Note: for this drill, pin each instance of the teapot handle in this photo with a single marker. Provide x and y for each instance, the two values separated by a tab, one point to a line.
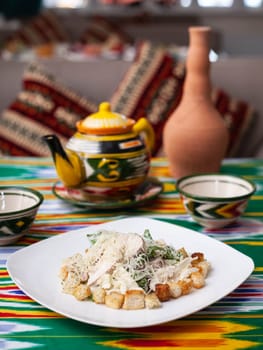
144	127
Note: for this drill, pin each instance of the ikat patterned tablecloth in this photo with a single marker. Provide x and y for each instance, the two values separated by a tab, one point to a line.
235	322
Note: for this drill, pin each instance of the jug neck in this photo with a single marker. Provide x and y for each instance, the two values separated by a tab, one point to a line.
197	82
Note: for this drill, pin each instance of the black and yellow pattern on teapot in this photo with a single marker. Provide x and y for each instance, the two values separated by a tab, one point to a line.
108	155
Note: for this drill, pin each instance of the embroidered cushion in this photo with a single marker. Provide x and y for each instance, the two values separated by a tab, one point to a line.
238	116
43	106
151	88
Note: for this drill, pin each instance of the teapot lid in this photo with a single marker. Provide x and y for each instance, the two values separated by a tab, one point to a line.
105	122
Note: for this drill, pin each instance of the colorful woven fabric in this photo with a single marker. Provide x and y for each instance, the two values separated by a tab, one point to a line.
151	88
234	322
43	106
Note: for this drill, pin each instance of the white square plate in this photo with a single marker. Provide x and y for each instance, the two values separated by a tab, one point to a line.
35	270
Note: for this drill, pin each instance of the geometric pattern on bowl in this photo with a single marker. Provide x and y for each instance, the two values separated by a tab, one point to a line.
215	210
215	200
215	215
18	208
18	224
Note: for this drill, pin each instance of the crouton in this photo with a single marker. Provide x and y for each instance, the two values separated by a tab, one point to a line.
186	286
183	252
162	291
197	279
203	267
114	300
71	282
197	258
152	301
134	300
175	289
98	295
82	292
63	272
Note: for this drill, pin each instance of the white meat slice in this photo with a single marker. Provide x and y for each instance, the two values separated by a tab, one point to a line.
110	248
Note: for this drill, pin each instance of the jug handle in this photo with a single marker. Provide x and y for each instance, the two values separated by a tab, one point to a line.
144	127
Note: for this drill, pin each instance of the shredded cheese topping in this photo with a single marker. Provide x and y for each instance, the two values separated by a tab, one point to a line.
118	262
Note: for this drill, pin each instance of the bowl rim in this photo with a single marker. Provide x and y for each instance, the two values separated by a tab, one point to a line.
215	199
25	189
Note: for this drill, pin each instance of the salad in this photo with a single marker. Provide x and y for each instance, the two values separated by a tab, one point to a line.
131	271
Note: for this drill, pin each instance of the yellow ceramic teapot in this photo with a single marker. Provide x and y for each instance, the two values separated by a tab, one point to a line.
108	155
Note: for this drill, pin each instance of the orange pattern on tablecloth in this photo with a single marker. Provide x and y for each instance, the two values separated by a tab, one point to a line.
185	334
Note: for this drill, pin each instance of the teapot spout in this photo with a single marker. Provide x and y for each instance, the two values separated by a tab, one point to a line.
55	147
68	166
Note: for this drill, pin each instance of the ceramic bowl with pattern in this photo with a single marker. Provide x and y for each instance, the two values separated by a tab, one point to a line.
18	209
215	200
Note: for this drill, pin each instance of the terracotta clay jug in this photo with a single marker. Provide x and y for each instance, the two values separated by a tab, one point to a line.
195	137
